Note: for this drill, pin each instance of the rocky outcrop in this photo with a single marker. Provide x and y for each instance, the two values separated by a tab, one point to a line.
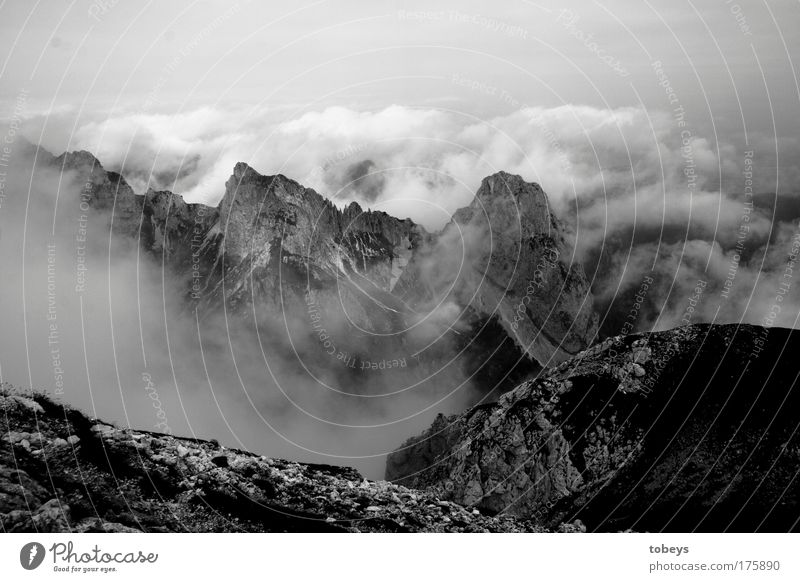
505	257
282	241
265	229
266	216
693	429
61	471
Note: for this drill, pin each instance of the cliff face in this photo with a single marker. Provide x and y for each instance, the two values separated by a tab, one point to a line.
63	472
266	231
689	429
263	216
505	257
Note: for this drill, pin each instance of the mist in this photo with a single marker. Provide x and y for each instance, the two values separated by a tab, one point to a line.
101	324
642	192
711	221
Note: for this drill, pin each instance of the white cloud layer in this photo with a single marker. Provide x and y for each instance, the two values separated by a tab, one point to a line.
636	189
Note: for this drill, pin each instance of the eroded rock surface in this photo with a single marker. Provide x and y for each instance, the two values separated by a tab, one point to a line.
266	242
505	257
61	471
689	429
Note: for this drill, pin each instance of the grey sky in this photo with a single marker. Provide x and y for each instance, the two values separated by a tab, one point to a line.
185	89
373	54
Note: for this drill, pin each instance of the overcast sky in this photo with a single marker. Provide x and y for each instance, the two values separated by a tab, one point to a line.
185	89
164	56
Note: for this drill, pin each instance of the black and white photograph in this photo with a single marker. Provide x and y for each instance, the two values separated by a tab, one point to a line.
400	267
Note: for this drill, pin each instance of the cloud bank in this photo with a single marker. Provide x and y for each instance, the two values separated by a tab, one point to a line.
638	190
643	200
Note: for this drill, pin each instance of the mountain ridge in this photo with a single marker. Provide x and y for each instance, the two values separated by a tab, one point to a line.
270	228
61	471
690	429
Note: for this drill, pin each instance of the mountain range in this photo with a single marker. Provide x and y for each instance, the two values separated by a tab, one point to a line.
497	293
690	429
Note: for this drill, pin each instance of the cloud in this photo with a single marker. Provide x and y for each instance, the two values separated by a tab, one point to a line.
98	323
636	199
633	187
579	154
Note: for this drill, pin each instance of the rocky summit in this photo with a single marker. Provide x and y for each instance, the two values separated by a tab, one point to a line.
505	257
267	242
692	429
61	471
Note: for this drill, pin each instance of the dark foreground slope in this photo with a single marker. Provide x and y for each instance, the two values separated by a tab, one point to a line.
61	471
692	429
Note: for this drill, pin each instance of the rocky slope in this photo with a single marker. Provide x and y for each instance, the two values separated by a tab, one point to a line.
61	471
692	429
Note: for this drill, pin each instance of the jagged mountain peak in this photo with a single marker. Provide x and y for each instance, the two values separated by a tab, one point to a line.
241	169
354	208
502	182
246	185
508	202
245	173
79	159
520	269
